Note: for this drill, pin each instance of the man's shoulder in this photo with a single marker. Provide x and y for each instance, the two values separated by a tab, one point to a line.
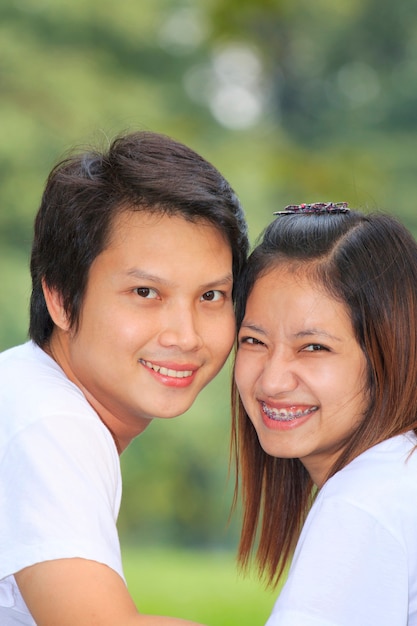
34	389
24	356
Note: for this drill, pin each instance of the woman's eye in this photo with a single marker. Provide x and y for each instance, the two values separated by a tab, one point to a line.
252	341
212	296
315	347
146	292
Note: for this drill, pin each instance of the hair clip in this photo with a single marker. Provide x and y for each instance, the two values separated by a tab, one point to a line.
316	207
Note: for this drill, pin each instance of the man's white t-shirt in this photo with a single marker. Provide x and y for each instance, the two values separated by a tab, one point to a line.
356	560
60	482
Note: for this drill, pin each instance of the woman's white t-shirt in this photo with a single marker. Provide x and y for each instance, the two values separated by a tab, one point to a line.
60	482
356	560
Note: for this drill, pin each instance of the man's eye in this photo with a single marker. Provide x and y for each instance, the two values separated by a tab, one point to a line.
212	296
146	292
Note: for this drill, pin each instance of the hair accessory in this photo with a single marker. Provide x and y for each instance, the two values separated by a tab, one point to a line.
316	207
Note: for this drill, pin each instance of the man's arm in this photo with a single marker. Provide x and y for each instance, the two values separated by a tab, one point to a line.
78	592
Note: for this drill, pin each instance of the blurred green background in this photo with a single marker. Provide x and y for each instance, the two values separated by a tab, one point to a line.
292	100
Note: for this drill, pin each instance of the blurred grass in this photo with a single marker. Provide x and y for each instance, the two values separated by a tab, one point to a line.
196	585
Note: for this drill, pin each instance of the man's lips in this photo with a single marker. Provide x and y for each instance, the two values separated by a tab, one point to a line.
171	372
287	414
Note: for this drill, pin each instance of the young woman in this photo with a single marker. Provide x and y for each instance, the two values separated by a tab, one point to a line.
326	416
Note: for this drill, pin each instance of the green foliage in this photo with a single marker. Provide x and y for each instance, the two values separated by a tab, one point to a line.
337	80
336	68
14	297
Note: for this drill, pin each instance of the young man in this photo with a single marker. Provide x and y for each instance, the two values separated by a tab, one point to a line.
134	255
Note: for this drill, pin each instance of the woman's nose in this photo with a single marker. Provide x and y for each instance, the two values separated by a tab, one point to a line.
278	376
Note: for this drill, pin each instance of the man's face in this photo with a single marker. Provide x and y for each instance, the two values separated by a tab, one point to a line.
156	324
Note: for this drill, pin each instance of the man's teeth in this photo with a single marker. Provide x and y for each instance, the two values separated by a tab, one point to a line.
286	415
164	371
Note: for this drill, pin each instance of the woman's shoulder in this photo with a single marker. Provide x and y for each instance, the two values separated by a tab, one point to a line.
381	481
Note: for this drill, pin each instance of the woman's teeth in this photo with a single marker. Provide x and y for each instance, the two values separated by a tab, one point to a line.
286	415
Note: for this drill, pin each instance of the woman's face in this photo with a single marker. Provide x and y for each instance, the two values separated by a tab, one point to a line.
300	372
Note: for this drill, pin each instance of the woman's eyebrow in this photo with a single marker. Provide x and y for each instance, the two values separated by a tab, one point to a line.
315	332
253	328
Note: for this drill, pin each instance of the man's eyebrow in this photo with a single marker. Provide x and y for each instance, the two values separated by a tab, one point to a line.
222	280
136	272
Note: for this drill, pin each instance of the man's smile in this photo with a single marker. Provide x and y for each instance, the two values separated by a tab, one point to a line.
165	371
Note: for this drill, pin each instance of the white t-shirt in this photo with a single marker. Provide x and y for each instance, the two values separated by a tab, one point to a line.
60	482
356	560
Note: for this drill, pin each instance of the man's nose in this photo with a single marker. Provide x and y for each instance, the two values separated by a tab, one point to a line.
181	329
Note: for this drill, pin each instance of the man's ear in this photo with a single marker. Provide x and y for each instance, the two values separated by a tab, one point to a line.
55	307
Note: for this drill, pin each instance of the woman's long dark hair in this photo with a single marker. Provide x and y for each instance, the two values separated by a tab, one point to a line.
369	263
